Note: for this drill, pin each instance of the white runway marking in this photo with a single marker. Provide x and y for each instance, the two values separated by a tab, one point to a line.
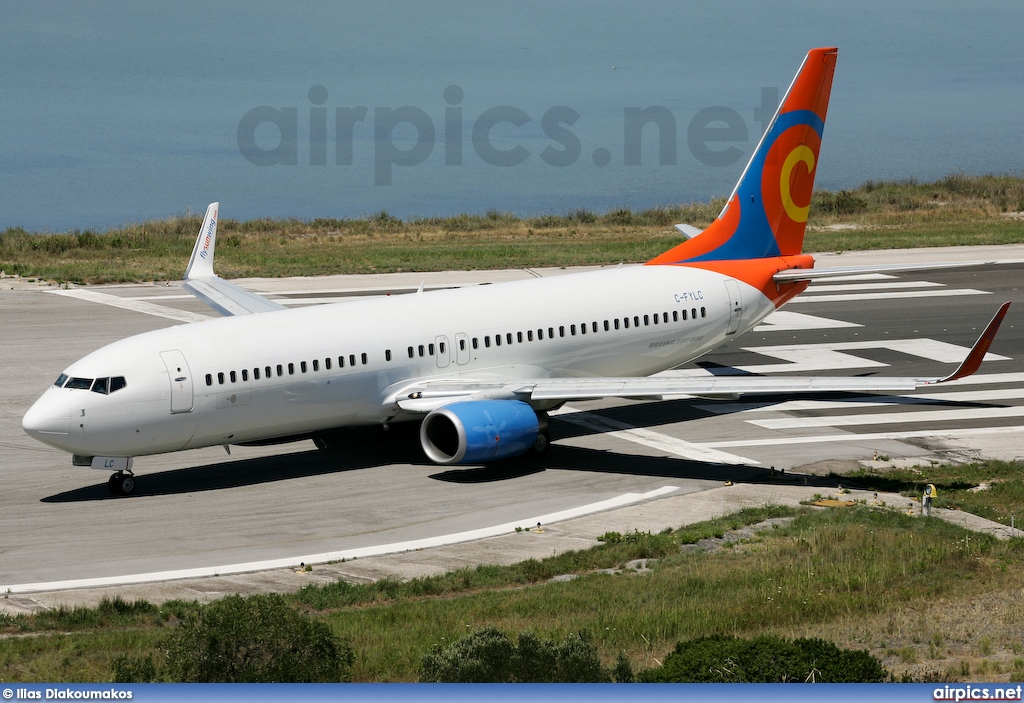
785	321
890	418
855	438
361	553
945	292
864	287
647	438
133	305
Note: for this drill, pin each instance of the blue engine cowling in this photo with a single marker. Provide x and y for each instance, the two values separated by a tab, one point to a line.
477	431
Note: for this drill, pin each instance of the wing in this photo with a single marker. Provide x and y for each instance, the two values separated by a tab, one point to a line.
427	395
200	280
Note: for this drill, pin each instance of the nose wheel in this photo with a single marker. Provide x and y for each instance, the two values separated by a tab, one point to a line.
121	483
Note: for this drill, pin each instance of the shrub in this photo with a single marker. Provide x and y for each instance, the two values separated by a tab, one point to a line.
488	655
254	640
764	659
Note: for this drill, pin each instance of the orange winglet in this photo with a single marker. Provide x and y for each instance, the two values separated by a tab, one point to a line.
980	348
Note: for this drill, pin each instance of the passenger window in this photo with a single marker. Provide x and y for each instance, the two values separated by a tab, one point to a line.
572	330
364	358
341	362
703	312
442	347
551	332
100	385
540	334
529	335
280	370
462	345
327	363
519	337
256	374
118	382
412	352
268	373
245	374
615	322
430	349
508	337
220	377
351	359
655	318
316	364
583	328
646	321
606	326
625	322
421	350
684	316
664	317
234	377
675	316
693	313
497	340
387	355
209	379
476	343
302	366
636	320
291	369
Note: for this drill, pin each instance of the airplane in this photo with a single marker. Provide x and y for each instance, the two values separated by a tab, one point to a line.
480	367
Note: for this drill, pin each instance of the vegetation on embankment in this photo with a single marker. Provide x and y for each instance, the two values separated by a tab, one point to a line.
929	599
957	210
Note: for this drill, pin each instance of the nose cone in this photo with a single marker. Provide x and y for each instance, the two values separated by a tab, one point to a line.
49	420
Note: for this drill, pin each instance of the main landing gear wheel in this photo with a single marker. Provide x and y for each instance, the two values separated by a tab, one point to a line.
121	484
541	444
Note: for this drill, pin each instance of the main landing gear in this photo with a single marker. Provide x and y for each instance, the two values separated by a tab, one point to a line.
121	483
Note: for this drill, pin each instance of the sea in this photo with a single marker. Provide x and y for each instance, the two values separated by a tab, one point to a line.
114	112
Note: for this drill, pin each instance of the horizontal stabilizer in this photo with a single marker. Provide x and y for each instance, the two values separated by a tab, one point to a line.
688	231
815	274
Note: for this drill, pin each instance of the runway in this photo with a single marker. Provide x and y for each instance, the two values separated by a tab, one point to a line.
205	509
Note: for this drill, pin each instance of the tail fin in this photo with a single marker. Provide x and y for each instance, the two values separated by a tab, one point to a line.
767	212
201	263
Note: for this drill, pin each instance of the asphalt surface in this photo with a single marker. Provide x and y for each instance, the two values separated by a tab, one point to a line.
206	510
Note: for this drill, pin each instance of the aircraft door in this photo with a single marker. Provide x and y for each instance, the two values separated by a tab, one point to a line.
443	352
462	348
181	381
732	289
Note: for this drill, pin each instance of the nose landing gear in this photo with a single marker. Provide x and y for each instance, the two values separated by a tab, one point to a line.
121	483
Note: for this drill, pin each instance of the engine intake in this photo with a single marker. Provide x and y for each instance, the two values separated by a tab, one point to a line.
477	431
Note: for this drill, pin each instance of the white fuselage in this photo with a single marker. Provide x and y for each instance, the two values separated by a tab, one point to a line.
207	383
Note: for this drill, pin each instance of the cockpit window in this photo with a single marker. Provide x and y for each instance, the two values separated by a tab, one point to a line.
100	385
79	384
59	383
117	383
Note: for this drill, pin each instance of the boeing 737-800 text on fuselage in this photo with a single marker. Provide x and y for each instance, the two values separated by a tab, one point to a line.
479	366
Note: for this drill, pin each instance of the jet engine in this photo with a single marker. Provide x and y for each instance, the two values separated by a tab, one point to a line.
478	431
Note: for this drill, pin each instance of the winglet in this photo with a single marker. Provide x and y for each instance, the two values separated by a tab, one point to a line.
980	348
201	263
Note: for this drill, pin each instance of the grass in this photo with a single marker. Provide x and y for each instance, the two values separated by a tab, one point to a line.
913	591
1000	498
956	210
